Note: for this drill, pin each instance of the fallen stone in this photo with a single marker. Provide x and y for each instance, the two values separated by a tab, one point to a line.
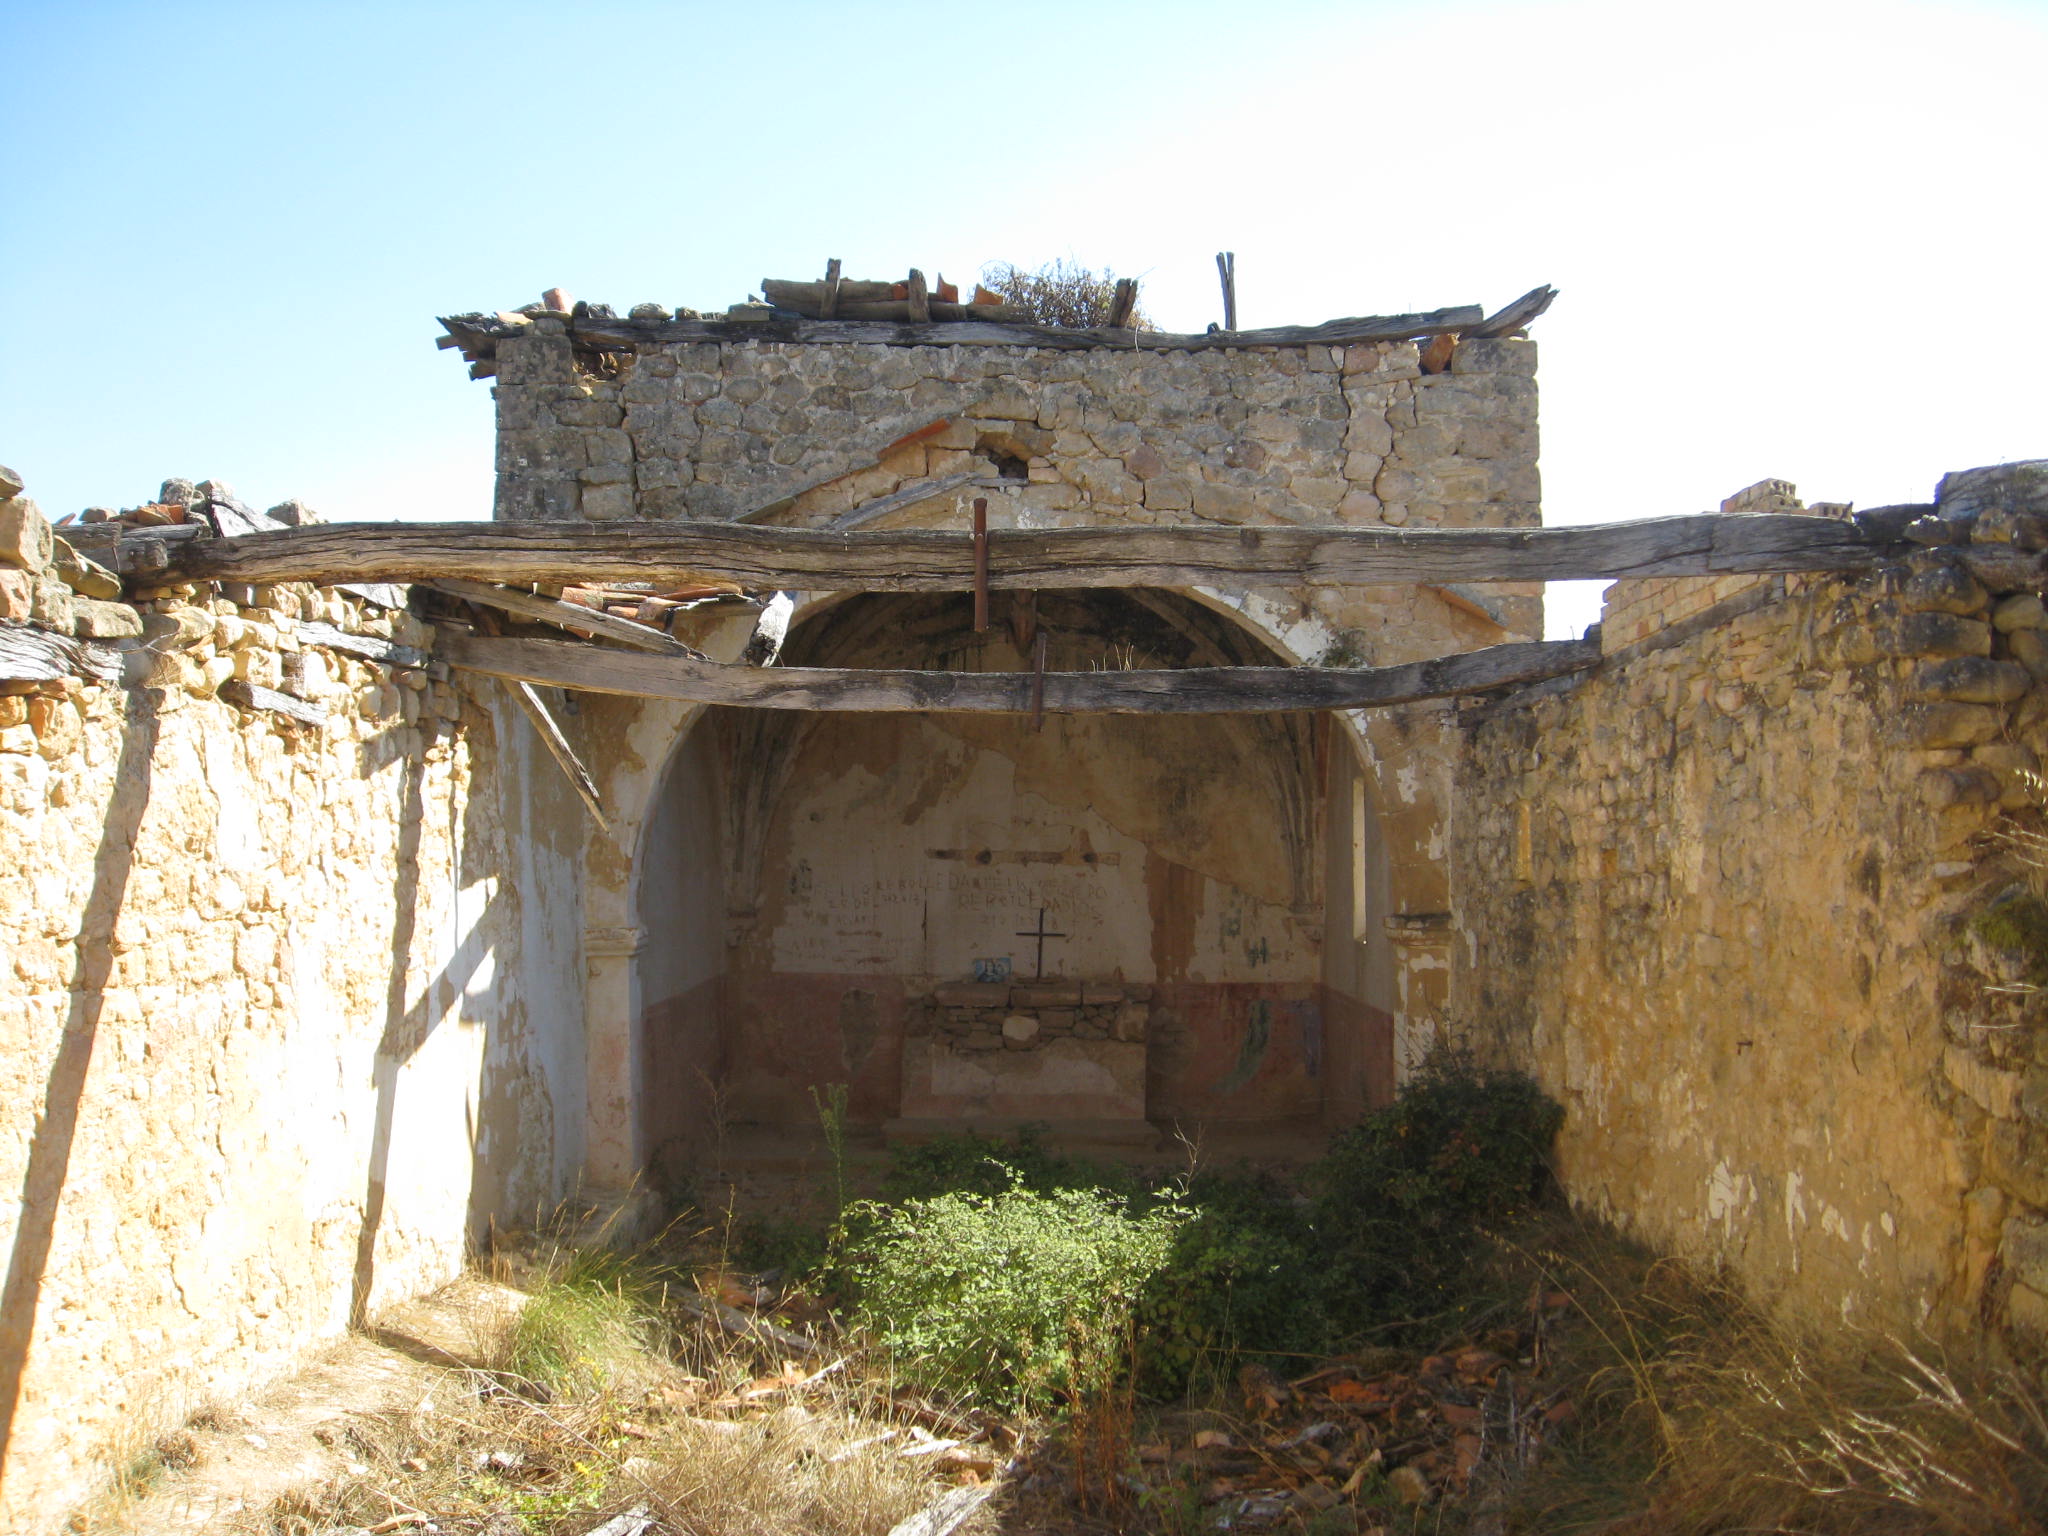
1021	1028
177	492
25	537
10	483
17	594
648	312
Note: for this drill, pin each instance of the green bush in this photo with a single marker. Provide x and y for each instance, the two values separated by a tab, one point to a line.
1401	1198
1014	1298
1243	1279
985	1165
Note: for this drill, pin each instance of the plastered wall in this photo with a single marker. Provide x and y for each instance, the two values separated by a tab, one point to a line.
1744	900
288	1011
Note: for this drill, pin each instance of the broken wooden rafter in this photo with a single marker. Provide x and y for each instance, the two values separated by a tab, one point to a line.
1192	690
1515	316
570	616
557	743
922	560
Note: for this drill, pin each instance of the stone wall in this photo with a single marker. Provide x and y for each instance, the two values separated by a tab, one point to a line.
1306	434
1759	901
265	1060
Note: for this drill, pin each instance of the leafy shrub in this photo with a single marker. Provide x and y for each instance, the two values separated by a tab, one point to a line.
1402	1196
1014	1298
986	1165
1059	293
1243	1279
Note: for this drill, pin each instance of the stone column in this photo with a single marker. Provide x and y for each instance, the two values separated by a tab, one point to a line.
614	1143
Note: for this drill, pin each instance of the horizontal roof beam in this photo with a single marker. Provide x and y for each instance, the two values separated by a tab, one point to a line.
920	560
1189	690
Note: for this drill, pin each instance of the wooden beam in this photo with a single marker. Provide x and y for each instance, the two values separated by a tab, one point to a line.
909	496
482	332
369	647
565	757
29	654
922	560
573	616
1194	690
271	701
1515	316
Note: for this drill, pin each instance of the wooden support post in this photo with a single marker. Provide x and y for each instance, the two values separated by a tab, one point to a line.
1226	269
559	749
920	299
828	302
1038	683
980	564
1123	304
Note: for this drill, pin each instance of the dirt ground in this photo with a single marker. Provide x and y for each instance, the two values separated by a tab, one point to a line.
233	1460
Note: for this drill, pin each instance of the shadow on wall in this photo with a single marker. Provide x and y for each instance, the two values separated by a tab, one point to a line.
407	1029
49	1154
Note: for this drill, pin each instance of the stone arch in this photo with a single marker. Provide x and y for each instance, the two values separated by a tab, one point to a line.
712	798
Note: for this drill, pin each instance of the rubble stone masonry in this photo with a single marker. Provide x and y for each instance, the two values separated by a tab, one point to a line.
1760	901
263	1063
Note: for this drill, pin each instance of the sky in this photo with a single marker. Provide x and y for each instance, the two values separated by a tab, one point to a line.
1796	239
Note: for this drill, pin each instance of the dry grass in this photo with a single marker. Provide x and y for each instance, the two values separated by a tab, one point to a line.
1699	1414
600	1395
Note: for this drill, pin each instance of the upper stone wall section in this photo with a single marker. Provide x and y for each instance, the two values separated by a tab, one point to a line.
803	434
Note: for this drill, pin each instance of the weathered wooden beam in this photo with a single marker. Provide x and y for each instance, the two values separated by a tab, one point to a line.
484	331
909	496
255	696
1513	317
369	647
29	655
920	560
574	616
550	733
1193	690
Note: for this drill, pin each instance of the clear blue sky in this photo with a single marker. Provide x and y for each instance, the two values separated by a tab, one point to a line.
1798	239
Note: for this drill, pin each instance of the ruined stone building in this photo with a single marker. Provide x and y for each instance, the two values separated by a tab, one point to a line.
338	931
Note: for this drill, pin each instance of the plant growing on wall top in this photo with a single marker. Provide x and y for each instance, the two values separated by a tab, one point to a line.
1060	293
